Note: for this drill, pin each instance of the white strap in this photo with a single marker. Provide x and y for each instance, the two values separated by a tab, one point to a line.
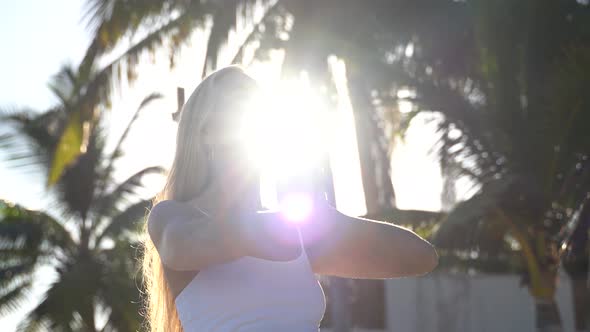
301	240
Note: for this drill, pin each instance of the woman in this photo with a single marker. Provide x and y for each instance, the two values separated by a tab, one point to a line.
213	262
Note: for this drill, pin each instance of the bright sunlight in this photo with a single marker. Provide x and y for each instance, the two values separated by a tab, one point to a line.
285	138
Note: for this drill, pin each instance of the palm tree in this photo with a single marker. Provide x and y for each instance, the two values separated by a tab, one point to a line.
516	124
88	238
466	70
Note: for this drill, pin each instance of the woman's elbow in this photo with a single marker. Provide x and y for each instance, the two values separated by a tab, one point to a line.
176	259
426	260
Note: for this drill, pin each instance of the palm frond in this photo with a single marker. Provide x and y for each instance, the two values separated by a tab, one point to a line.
64	84
12	298
471	226
176	30
69	147
112	20
271	14
106	176
30	136
107	203
93	90
128	221
119	291
10	272
224	20
56	137
77	186
32	232
69	297
48	316
36	323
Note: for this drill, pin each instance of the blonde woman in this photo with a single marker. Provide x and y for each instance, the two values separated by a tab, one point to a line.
213	262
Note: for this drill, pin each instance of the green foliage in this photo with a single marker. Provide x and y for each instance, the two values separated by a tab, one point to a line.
94	257
68	147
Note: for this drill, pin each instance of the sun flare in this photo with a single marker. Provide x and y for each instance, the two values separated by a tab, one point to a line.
284	136
286	133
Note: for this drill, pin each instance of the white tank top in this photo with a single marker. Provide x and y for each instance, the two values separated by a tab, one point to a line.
250	294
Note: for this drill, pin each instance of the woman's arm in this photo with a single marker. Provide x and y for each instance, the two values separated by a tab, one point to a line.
188	240
352	247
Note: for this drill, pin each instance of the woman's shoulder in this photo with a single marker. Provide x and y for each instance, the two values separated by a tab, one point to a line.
169	206
167	210
162	209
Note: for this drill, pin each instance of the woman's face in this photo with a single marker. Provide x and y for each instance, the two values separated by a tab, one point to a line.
225	151
228	159
222	129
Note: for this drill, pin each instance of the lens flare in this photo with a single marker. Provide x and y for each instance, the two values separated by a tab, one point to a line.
284	133
296	207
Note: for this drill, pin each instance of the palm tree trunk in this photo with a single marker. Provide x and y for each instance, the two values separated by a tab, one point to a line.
374	159
581	296
575	263
542	278
339	290
86	312
547	316
339	293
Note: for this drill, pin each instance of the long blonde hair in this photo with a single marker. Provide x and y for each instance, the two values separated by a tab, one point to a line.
183	183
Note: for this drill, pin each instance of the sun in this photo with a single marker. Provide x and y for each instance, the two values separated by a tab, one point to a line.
285	129
284	133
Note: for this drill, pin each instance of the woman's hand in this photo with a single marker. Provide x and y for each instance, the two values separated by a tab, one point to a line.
323	209
268	235
263	234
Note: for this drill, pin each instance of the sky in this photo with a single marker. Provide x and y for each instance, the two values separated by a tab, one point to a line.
40	36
